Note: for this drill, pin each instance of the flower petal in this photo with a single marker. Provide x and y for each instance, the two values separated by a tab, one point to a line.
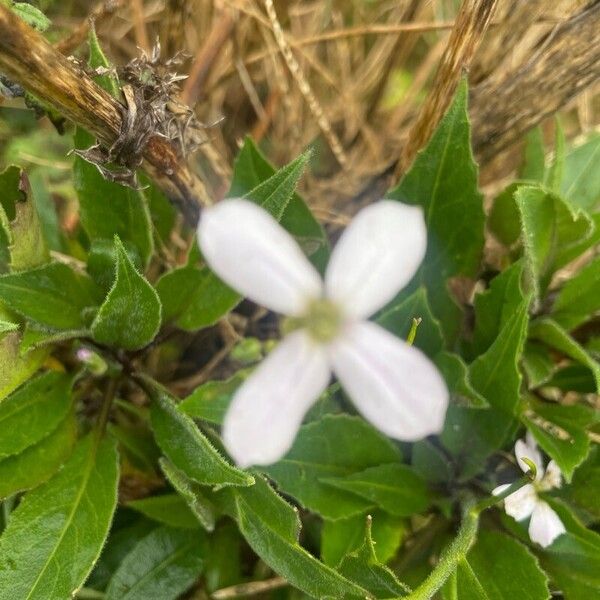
552	477
377	255
246	247
545	525
529	450
521	503
395	386
266	412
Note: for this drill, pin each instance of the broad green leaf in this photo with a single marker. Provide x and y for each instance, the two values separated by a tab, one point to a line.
573	560
210	401
364	567
223	564
271	528
33	411
162	211
200	506
430	462
56	534
250	170
538	364
458	379
344	536
561	432
163	565
498	567
581	179
585	484
443	181
187	448
107	208
16	368
503	219
548	331
168	509
579	299
573	378
193	297
54	296
473	434
38	463
395	488
30	14
555	173
26	245
335	446
534	159
130	316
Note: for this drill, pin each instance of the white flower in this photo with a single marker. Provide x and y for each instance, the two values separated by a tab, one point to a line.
394	385
545	525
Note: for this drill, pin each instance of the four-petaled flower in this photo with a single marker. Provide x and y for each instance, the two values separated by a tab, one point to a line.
545	525
395	386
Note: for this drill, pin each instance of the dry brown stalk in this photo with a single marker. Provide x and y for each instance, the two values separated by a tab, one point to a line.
139	23
470	26
28	59
506	106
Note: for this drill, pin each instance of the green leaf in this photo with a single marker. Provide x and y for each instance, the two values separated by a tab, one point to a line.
581	179
38	463
33	411
473	434
35	336
430	462
363	567
54	296
573	560
497	568
395	488
200	506
250	170
561	432
458	379
31	15
211	400
443	180
344	536
168	509
585	484
548	331
554	175
534	159
162	565
537	364
8	327
75	508
16	368
187	448
130	316
271	528
579	299
18	215
314	457
503	219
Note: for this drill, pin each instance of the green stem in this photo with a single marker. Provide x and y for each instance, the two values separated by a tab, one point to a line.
452	555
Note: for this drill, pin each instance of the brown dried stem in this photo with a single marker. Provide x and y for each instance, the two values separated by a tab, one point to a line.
28	59
470	25
508	105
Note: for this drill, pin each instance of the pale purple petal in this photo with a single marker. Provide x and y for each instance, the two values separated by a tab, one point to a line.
521	503
246	247
545	525
377	255
266	412
394	385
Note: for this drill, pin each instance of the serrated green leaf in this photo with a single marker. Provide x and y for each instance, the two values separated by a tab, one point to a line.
561	432
344	536
200	506
130	316
54	296
395	488
579	299
443	180
497	568
551	333
168	509
76	506
314	457
187	448
162	565
33	411
26	245
271	528
363	567
38	463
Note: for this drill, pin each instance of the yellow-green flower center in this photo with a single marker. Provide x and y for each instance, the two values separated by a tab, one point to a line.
322	320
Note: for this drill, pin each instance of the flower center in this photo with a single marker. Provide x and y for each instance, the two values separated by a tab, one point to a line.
322	320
